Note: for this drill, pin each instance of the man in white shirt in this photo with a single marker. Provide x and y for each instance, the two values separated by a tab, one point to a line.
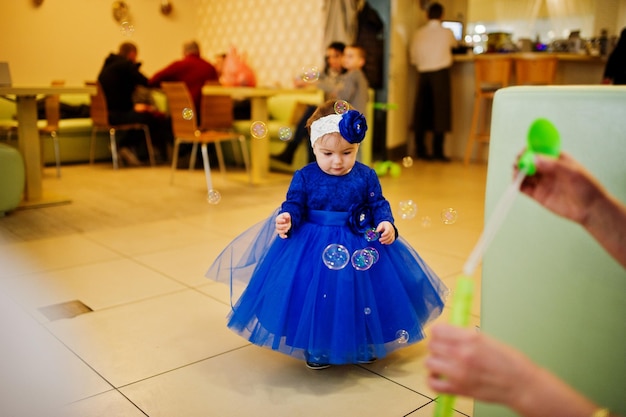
431	53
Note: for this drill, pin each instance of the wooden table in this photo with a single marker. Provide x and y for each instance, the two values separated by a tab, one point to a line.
28	135
260	149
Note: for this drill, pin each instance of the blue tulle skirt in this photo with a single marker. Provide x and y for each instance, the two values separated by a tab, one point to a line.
294	303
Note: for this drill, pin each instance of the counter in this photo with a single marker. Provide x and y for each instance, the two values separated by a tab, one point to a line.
572	69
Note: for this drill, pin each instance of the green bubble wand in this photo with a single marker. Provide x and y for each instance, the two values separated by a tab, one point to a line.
543	138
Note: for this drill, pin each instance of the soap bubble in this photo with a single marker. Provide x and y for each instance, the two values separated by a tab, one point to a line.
258	130
402	337
285	134
371	235
310	74
373	252
408	209
187	113
341	106
335	256
449	215
127	28
367	311
407	162
214	197
362	260
426	221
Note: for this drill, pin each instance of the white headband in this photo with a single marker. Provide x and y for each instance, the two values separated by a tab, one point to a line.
324	125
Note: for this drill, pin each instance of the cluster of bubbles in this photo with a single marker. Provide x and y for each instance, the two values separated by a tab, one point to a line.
214	197
407	162
408	209
187	113
336	256
259	130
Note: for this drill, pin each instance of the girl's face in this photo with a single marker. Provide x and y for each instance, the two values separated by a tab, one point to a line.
335	155
334	58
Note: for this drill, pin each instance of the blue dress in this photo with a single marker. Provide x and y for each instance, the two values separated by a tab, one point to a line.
300	299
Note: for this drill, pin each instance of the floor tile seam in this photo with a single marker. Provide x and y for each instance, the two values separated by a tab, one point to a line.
177	368
61	268
434	401
130	303
80	358
419	408
368	369
124	254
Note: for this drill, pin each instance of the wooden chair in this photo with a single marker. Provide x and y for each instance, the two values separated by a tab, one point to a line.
217	127
535	69
491	72
100	118
53	116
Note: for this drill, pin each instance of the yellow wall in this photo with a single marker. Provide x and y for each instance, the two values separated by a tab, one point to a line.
69	39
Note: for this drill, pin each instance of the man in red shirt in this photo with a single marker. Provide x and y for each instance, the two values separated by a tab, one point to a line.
193	70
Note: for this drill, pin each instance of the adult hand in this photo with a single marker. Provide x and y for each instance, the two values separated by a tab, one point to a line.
466	362
563	186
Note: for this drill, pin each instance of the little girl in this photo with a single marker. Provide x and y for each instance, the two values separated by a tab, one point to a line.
338	285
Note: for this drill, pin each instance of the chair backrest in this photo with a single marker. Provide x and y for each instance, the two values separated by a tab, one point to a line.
492	71
536	70
53	107
216	112
181	108
98	107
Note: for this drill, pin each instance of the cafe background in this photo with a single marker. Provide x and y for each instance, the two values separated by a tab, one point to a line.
45	40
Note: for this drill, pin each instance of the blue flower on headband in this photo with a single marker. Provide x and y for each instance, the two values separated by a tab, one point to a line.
353	126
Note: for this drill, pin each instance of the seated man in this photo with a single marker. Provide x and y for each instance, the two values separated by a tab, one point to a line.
193	70
119	77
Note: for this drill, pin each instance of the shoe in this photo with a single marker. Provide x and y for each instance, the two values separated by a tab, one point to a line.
129	158
367	361
441	158
312	364
317	366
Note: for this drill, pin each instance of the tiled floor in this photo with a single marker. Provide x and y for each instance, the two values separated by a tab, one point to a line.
134	250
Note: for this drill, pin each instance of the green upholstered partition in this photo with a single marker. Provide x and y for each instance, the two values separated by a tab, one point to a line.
547	287
12	178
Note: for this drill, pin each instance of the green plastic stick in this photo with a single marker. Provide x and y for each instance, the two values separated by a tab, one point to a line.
461	307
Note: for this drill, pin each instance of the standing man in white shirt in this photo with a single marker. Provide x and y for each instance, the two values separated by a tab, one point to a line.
431	53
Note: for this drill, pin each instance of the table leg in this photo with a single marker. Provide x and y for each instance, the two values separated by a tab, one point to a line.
260	148
30	145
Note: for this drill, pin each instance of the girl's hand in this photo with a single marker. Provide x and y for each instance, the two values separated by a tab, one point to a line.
283	224
387	233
